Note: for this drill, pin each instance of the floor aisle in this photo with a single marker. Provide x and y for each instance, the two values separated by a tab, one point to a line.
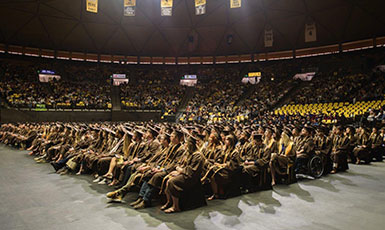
32	196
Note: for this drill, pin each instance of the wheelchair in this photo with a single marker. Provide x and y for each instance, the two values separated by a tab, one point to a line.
314	166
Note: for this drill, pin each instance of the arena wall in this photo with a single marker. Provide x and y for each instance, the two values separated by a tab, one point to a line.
10	115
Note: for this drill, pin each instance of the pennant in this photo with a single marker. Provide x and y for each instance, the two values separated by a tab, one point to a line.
92	6
235	3
166	7
129	8
269	38
200	7
310	32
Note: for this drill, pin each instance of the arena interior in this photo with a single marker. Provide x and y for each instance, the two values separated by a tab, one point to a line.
192	114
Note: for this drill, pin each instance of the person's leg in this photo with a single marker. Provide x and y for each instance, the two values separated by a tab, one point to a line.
111	168
272	169
335	160
174	200
175	205
142	193
169	199
214	188
147	197
127	174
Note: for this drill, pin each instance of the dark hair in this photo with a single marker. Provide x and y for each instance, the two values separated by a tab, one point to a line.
166	137
178	134
191	142
138	134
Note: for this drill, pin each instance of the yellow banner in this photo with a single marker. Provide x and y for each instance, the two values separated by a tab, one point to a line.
235	3
166	3
200	2
129	2
129	7
255	74
92	6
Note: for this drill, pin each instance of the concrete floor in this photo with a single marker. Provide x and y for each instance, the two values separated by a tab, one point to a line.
33	197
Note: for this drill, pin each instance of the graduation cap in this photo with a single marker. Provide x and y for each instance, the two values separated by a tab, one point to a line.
270	129
324	130
190	127
193	140
217	128
256	136
178	133
139	133
197	135
309	128
154	132
228	129
247	131
287	130
341	128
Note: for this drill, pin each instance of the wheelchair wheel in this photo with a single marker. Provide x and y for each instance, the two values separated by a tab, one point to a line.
316	167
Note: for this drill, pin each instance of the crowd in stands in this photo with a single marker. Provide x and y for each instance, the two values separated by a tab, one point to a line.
219	95
78	87
82	95
338	87
154	95
216	97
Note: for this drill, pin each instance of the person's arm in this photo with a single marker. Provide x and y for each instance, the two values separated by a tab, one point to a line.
194	166
265	158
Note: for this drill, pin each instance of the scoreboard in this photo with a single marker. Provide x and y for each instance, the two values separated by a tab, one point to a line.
119	78
47	75
252	78
189	80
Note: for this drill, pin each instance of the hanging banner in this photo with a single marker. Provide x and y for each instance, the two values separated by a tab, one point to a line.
304	76
92	6
310	32
166	7
200	7
235	3
269	38
129	8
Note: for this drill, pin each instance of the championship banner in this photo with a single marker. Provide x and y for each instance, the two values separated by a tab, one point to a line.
200	7
92	6
304	76
129	8
166	7
310	32
235	3
269	39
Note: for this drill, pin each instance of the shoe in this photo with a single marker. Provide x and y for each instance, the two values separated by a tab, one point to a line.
103	181
141	205
55	166
64	172
41	161
140	199
97	180
36	158
115	196
111	194
60	170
